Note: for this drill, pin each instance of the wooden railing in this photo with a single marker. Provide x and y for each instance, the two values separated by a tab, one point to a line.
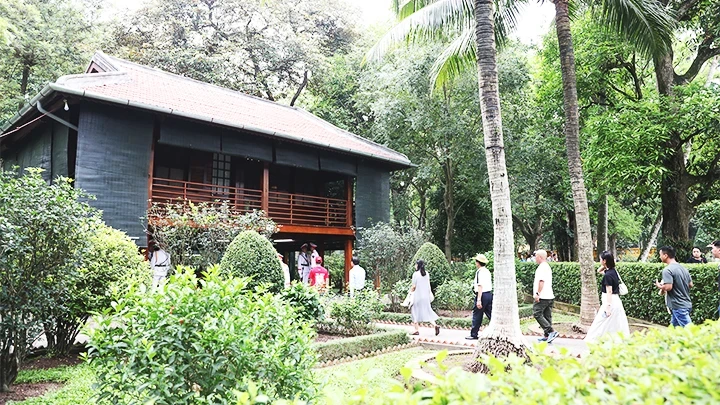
283	208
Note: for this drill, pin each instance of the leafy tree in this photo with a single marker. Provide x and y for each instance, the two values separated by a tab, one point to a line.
43	39
43	230
263	48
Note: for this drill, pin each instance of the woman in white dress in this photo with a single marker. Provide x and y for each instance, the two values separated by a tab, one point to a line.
611	317
421	310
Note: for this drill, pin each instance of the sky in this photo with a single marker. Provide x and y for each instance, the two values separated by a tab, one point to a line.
533	22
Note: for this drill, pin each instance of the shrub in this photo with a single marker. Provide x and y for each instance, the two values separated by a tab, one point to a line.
398	293
197	234
41	232
387	249
305	300
454	296
251	255
435	263
357	313
643	301
334	262
110	262
340	348
184	344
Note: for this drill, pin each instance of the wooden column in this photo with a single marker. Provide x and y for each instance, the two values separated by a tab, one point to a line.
348	259
265	204
349	200
151	173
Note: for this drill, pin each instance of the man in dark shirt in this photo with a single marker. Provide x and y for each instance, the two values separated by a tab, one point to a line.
716	254
676	284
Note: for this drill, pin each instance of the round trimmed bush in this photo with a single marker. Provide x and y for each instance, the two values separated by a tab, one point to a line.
435	263
188	345
251	255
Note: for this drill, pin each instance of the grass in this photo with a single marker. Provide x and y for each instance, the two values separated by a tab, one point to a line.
347	379
557	317
78	389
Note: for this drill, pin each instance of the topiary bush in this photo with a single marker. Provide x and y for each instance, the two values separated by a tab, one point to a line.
305	300
251	255
190	345
642	301
454	296
435	263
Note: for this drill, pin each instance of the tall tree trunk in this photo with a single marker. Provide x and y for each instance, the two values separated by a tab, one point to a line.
449	201
711	71
612	245
503	335
589	302
602	226
24	80
653	238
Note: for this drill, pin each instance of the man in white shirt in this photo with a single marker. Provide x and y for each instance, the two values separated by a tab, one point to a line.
543	296
313	256
357	276
304	263
482	286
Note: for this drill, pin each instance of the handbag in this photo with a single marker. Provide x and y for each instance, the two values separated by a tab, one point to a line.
408	299
622	288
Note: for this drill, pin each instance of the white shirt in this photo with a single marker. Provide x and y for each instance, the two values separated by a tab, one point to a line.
357	278
160	263
303	262
286	273
313	262
483	278
544	273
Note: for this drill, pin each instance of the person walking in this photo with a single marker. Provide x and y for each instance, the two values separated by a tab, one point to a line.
543	297
304	263
356	276
482	286
696	257
611	317
160	264
676	284
422	296
716	255
285	269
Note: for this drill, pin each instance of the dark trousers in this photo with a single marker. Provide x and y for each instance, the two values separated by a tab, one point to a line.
486	299
542	311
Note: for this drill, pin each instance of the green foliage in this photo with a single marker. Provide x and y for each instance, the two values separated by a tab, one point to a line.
42	232
398	293
356	314
183	344
642	301
77	390
334	262
197	234
707	217
340	348
454	295
436	264
387	249
305	300
251	255
525	311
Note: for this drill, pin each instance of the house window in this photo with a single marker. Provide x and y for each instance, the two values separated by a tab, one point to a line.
221	173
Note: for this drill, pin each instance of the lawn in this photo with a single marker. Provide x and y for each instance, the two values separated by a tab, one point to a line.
379	372
78	389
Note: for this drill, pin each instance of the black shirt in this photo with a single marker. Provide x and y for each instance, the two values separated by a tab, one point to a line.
692	259
611	278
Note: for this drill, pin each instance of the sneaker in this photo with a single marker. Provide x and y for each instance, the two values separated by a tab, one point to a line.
543	339
471	337
552	336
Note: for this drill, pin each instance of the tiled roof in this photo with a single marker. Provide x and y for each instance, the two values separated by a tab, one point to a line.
144	87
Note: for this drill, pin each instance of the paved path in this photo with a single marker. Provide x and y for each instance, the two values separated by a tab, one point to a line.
456	338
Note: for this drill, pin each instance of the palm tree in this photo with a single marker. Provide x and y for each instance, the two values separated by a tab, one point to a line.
645	22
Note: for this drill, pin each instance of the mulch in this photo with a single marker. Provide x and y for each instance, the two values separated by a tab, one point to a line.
325	337
21	392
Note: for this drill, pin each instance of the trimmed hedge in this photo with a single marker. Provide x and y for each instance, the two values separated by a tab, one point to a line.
642	301
251	255
435	264
465	323
341	348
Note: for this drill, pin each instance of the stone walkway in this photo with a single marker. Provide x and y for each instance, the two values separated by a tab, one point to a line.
455	339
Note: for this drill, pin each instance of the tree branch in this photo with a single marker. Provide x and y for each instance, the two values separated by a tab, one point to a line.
300	89
684	8
624	93
704	53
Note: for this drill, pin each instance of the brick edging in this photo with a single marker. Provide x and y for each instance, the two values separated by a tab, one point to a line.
530	333
365	355
386	322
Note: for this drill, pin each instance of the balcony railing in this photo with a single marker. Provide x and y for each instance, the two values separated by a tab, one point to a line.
283	208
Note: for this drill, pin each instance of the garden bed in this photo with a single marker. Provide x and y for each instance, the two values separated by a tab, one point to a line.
360	346
21	392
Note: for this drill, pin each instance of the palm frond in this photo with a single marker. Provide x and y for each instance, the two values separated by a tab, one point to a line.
456	58
407	7
645	23
506	12
426	24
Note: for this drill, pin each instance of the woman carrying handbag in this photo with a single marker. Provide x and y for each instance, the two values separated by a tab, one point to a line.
611	317
422	296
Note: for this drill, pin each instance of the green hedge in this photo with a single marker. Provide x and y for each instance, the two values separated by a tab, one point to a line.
465	323
642	301
340	348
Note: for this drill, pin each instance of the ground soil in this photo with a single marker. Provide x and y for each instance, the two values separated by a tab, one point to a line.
455	314
567	329
325	337
21	392
449	362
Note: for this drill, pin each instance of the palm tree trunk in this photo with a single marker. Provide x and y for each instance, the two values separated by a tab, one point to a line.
602	225
589	301
503	335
